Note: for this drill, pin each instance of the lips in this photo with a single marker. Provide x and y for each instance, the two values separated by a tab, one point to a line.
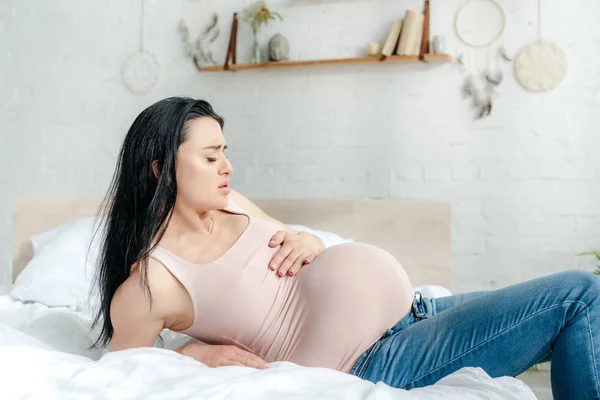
225	183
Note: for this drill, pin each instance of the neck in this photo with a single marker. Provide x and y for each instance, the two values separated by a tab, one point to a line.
188	221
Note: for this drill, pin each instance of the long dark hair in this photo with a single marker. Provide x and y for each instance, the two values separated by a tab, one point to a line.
138	206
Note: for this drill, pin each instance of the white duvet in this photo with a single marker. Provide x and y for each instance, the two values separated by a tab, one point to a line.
43	354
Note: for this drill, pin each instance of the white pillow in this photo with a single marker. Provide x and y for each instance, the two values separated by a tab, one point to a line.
59	275
433	291
38	241
61	270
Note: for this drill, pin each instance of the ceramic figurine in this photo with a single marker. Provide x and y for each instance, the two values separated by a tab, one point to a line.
279	48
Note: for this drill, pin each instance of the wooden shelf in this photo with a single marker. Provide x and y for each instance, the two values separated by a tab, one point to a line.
428	58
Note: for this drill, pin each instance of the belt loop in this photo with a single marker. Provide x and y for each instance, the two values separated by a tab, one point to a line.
418	301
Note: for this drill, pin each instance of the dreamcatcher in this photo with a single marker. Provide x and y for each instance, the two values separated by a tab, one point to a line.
479	24
141	70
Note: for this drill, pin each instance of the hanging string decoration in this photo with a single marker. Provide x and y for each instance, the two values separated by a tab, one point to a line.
542	65
141	70
480	24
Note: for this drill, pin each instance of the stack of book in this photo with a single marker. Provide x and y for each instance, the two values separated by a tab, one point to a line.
405	36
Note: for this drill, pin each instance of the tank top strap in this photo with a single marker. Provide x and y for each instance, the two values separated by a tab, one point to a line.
234	208
163	257
168	260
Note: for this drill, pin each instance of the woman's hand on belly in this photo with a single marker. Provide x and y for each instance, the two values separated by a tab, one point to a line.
296	250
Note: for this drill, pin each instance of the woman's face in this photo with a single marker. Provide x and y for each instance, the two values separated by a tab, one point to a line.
202	168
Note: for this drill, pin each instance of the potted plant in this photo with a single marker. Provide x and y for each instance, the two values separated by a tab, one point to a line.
257	15
596	255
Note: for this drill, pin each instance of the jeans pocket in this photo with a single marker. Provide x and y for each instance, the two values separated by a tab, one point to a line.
361	368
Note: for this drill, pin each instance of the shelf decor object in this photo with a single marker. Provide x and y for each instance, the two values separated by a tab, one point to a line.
541	65
480	24
256	15
141	70
424	56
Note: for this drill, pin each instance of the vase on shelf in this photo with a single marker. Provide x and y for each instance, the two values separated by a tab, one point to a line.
256	53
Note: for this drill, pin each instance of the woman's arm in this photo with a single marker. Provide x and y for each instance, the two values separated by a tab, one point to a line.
137	324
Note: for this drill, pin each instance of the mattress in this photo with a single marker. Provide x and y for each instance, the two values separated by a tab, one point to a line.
44	353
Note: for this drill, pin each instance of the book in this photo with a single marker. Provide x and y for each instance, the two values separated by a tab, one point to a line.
409	43
392	39
418	38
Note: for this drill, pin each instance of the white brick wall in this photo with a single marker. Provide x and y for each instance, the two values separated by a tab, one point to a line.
524	183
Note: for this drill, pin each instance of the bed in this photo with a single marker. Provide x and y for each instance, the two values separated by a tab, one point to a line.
45	335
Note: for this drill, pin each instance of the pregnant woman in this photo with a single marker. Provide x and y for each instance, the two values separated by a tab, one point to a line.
184	251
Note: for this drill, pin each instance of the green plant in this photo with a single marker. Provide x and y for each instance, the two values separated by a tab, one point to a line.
259	14
596	254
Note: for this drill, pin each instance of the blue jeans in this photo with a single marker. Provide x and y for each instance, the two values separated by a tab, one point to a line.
504	332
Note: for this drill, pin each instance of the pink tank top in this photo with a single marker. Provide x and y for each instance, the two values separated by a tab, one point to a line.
324	316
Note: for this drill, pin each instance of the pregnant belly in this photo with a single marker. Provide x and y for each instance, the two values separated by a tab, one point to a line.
351	293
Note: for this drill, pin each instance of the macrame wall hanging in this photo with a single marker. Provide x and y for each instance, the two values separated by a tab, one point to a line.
540	66
480	24
141	70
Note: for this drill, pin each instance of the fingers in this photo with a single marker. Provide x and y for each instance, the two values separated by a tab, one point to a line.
291	256
296	266
291	260
237	364
248	359
246	355
277	239
234	364
231	355
281	256
240	364
250	362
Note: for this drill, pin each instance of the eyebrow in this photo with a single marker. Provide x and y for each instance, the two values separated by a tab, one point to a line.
216	147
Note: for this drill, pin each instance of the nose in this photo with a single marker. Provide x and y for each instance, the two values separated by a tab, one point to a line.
226	168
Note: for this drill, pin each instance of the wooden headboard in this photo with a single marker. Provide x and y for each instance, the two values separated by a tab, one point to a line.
416	232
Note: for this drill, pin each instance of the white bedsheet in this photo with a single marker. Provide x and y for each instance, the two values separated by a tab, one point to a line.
43	354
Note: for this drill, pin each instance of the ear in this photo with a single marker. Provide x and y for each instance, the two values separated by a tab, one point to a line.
155	169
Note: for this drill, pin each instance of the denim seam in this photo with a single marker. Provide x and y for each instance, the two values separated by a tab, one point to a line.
367	360
359	370
352	370
356	368
362	368
495	336
592	346
359	363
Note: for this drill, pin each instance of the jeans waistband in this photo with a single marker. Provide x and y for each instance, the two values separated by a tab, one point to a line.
422	308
